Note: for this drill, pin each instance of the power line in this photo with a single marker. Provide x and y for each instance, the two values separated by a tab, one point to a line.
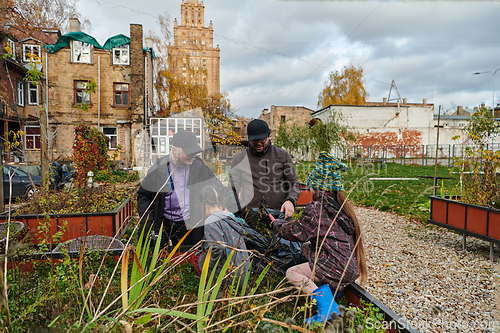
115	5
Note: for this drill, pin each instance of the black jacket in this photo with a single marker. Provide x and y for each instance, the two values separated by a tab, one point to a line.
151	194
268	179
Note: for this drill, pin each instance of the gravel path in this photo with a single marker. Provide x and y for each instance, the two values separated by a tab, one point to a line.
421	273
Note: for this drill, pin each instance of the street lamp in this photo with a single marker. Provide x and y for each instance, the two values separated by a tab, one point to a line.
493	76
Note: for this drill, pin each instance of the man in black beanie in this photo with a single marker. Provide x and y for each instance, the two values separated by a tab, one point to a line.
274	182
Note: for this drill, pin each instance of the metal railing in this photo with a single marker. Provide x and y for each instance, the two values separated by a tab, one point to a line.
408	154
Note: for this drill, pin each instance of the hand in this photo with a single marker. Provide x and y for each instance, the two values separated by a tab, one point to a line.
288	208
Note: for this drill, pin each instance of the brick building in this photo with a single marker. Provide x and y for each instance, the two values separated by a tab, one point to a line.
22	100
122	71
289	114
192	55
240	127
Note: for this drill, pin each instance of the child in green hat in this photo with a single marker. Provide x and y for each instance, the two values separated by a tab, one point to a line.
332	235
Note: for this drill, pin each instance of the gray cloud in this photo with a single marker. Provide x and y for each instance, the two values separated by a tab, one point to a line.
280	52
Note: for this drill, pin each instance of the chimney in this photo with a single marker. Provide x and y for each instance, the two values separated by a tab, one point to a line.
265	111
148	42
425	101
459	110
74	24
384	100
404	101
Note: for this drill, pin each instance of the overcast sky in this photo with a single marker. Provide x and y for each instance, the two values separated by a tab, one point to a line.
280	52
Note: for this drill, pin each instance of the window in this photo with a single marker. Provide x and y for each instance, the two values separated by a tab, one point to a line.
112	134
283	118
32	141
12	46
31	51
204	62
20	93
203	42
32	93
204	54
121	93
121	55
82	96
80	52
183	41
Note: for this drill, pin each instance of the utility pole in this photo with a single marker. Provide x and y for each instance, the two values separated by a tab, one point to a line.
2	206
44	153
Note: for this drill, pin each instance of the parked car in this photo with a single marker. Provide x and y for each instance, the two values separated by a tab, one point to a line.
23	184
59	174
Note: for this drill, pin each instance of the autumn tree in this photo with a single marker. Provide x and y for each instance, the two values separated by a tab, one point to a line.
180	91
26	16
346	87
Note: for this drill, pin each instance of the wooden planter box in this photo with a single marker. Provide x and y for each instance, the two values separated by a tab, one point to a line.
305	196
78	225
470	220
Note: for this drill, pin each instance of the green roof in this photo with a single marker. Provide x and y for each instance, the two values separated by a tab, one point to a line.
63	41
115	41
112	42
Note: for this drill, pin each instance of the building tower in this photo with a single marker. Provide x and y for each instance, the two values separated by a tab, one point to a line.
193	55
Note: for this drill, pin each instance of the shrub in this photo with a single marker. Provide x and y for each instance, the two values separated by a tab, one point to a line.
90	152
478	165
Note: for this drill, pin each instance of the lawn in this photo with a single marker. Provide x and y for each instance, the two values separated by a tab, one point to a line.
404	197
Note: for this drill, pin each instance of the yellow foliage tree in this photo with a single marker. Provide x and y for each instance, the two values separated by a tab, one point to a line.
346	87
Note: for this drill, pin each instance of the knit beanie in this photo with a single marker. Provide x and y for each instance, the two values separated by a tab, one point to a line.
326	176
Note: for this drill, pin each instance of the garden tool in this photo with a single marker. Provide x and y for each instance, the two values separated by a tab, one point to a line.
325	303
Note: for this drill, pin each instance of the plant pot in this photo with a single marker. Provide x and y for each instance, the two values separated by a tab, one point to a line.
78	225
17	231
112	247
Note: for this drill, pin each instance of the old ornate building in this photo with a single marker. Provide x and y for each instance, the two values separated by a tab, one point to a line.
120	72
193	55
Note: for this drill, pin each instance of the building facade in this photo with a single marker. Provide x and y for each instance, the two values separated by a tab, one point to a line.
109	87
22	97
193	57
288	114
398	124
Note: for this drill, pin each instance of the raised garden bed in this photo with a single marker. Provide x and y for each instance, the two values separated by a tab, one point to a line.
392	322
305	196
468	219
78	225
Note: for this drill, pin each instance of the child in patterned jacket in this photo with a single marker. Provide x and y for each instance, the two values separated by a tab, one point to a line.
333	240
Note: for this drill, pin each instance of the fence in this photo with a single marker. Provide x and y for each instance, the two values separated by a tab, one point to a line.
408	154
